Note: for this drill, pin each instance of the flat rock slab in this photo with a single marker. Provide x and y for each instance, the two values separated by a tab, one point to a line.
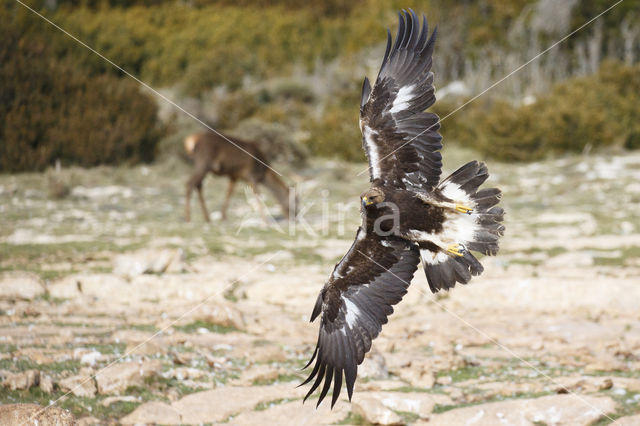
220	404
210	406
552	410
23	414
118	377
374	411
628	421
22	380
82	386
417	403
153	412
20	285
294	413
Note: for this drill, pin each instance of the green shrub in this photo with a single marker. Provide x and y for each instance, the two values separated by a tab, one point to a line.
235	107
336	133
587	112
633	140
293	91
51	109
199	48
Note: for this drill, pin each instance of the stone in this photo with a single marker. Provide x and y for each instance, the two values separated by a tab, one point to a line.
418	374
22	380
374	411
80	385
181	358
629	383
37	355
87	356
113	399
505	389
628	421
444	380
118	377
150	347
140	342
552	409
20	285
260	373
220	403
4	374
88	421
222	314
293	413
153	412
149	261
418	403
605	365
379	385
373	367
269	353
23	414
184	373
583	384
46	384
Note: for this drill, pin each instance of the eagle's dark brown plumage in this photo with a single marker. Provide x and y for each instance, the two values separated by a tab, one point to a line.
408	214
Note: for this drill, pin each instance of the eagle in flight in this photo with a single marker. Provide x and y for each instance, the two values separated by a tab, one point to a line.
408	213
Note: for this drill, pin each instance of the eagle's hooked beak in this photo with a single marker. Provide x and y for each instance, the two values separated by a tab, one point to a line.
366	202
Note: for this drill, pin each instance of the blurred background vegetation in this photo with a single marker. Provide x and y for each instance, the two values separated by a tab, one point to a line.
290	73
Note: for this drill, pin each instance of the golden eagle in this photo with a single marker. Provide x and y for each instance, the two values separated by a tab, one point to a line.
408	213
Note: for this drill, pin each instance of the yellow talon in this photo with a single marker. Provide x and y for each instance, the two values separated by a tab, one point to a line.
454	249
463	209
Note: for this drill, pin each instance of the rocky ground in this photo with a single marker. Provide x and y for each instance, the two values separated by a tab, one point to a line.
113	308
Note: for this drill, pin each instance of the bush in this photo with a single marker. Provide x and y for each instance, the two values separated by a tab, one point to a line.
336	132
595	111
235	107
52	109
199	48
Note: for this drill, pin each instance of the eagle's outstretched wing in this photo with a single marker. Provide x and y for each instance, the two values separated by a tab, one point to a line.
355	302
400	139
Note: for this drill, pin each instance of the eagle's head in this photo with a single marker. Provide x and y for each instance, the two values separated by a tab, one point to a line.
371	197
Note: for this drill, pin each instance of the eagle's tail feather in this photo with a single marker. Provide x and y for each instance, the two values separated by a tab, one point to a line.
443	271
478	230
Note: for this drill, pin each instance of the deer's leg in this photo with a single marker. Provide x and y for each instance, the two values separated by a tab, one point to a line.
202	204
254	188
227	198
195	181
187	203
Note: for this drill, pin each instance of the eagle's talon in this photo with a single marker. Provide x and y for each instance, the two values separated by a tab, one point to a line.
463	209
456	250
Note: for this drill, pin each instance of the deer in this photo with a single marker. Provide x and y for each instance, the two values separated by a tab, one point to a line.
238	160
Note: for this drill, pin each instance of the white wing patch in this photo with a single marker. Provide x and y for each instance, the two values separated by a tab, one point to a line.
433	258
374	155
461	228
336	276
402	100
458	228
352	312
455	193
